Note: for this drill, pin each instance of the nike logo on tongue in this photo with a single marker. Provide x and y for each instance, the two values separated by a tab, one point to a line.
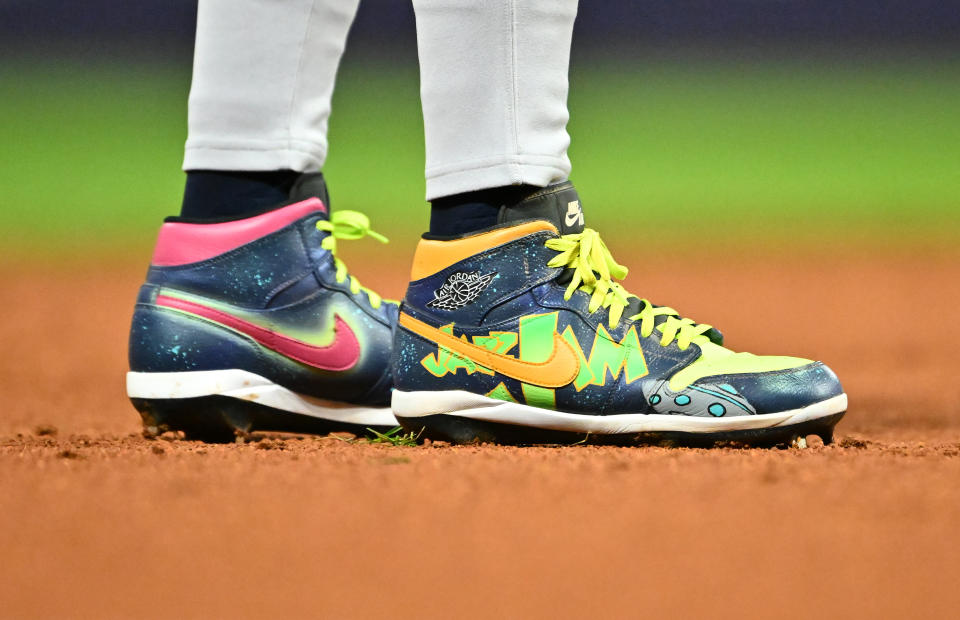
574	213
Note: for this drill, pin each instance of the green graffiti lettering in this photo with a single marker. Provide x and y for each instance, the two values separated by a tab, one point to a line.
608	356
445	361
501	393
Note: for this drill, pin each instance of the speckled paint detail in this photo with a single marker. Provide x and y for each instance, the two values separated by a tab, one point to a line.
619	370
239	310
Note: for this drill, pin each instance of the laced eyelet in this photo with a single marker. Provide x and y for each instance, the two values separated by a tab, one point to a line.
350	225
594	272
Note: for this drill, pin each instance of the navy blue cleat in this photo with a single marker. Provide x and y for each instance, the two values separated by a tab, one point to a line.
521	334
255	324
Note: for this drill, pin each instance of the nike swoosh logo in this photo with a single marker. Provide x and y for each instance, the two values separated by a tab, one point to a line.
556	371
341	354
574	213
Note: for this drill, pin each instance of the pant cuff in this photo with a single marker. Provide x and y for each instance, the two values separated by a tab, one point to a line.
261	156
521	170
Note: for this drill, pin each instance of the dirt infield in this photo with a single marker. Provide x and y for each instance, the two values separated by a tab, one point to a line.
96	521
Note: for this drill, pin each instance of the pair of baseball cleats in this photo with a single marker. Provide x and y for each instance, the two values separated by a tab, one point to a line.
515	334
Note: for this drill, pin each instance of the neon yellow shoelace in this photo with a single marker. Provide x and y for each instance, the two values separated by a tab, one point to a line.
349	225
594	271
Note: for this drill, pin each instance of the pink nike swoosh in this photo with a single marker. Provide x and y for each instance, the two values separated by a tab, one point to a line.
341	354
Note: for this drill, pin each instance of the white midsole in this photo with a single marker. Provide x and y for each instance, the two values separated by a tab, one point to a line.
244	385
479	407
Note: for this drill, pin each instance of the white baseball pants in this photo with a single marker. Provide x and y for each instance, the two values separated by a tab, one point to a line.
493	87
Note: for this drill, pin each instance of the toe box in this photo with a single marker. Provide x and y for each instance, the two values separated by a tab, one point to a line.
782	390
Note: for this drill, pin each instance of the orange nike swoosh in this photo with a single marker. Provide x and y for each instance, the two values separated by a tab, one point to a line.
556	371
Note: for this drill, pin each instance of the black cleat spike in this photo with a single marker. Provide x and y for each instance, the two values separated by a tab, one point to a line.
461	430
221	419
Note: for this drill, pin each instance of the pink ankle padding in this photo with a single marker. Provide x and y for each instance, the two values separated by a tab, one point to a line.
179	243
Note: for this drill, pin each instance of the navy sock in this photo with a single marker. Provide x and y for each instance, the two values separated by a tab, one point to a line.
472	211
224	194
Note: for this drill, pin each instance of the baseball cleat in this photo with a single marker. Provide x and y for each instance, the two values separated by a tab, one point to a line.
521	334
255	324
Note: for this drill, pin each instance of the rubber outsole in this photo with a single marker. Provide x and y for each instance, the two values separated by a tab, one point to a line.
221	419
461	430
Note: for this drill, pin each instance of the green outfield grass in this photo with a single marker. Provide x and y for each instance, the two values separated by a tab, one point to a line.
90	157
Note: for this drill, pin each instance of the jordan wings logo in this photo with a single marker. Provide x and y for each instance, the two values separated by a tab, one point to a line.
574	214
547	363
460	289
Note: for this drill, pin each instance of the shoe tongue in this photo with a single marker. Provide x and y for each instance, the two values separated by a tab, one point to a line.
558	204
311	185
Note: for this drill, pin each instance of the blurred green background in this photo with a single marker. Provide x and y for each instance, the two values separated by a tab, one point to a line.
737	149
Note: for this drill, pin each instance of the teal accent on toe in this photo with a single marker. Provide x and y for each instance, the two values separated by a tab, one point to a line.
719	395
